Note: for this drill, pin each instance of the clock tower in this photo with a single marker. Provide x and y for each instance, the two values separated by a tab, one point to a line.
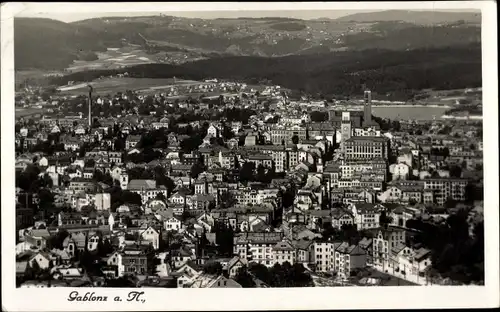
345	129
367	116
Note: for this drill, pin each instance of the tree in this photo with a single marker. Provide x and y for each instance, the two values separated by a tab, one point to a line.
244	278
121	282
241	140
56	241
227	200
90	163
170	185
119	144
295	139
288	196
473	193
227	133
214	268
455	171
90	262
450	203
261	272
161	197
47	181
317	116
285	275
104	178
261	174
454	253
224	235
105	248
45	201
385	220
246	172
35	269
196	169
25	180
151	260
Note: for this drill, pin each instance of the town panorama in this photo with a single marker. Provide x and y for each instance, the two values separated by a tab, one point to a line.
200	162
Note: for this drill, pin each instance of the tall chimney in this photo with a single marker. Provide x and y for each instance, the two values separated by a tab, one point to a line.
90	106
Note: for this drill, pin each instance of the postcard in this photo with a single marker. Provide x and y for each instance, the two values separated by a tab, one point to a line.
279	155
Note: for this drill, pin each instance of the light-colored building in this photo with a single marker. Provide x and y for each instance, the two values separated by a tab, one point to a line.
284	252
151	235
102	201
323	257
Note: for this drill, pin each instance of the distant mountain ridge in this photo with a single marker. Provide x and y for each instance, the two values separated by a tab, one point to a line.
395	73
50	44
415	17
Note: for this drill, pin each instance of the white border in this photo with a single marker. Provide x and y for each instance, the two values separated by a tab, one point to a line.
257	299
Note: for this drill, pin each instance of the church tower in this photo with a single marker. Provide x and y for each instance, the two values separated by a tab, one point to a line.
367	118
319	166
346	131
123	180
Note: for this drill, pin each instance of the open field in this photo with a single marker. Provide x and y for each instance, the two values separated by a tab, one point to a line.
115	84
33	77
115	58
24	112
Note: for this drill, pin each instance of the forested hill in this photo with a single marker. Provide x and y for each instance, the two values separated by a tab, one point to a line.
415	17
41	43
398	73
53	45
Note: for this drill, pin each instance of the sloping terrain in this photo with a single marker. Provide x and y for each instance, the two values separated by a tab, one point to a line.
394	73
414	17
49	44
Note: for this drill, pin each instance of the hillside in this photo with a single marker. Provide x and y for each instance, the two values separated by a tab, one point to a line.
49	44
393	38
397	74
414	17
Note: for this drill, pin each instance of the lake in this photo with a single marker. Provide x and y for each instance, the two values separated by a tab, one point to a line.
409	112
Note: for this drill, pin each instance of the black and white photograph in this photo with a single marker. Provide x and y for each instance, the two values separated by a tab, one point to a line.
317	147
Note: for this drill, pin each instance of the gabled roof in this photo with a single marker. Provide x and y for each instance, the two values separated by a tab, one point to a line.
421	253
365	242
302	244
141	184
40	233
283	245
21	266
233	261
397	249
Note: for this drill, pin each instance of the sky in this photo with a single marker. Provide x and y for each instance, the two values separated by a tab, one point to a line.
70	12
72	17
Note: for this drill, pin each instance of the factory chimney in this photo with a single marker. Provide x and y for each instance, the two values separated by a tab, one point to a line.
90	105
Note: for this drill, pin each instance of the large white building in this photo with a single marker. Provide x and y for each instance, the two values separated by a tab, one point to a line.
102	201
323	257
